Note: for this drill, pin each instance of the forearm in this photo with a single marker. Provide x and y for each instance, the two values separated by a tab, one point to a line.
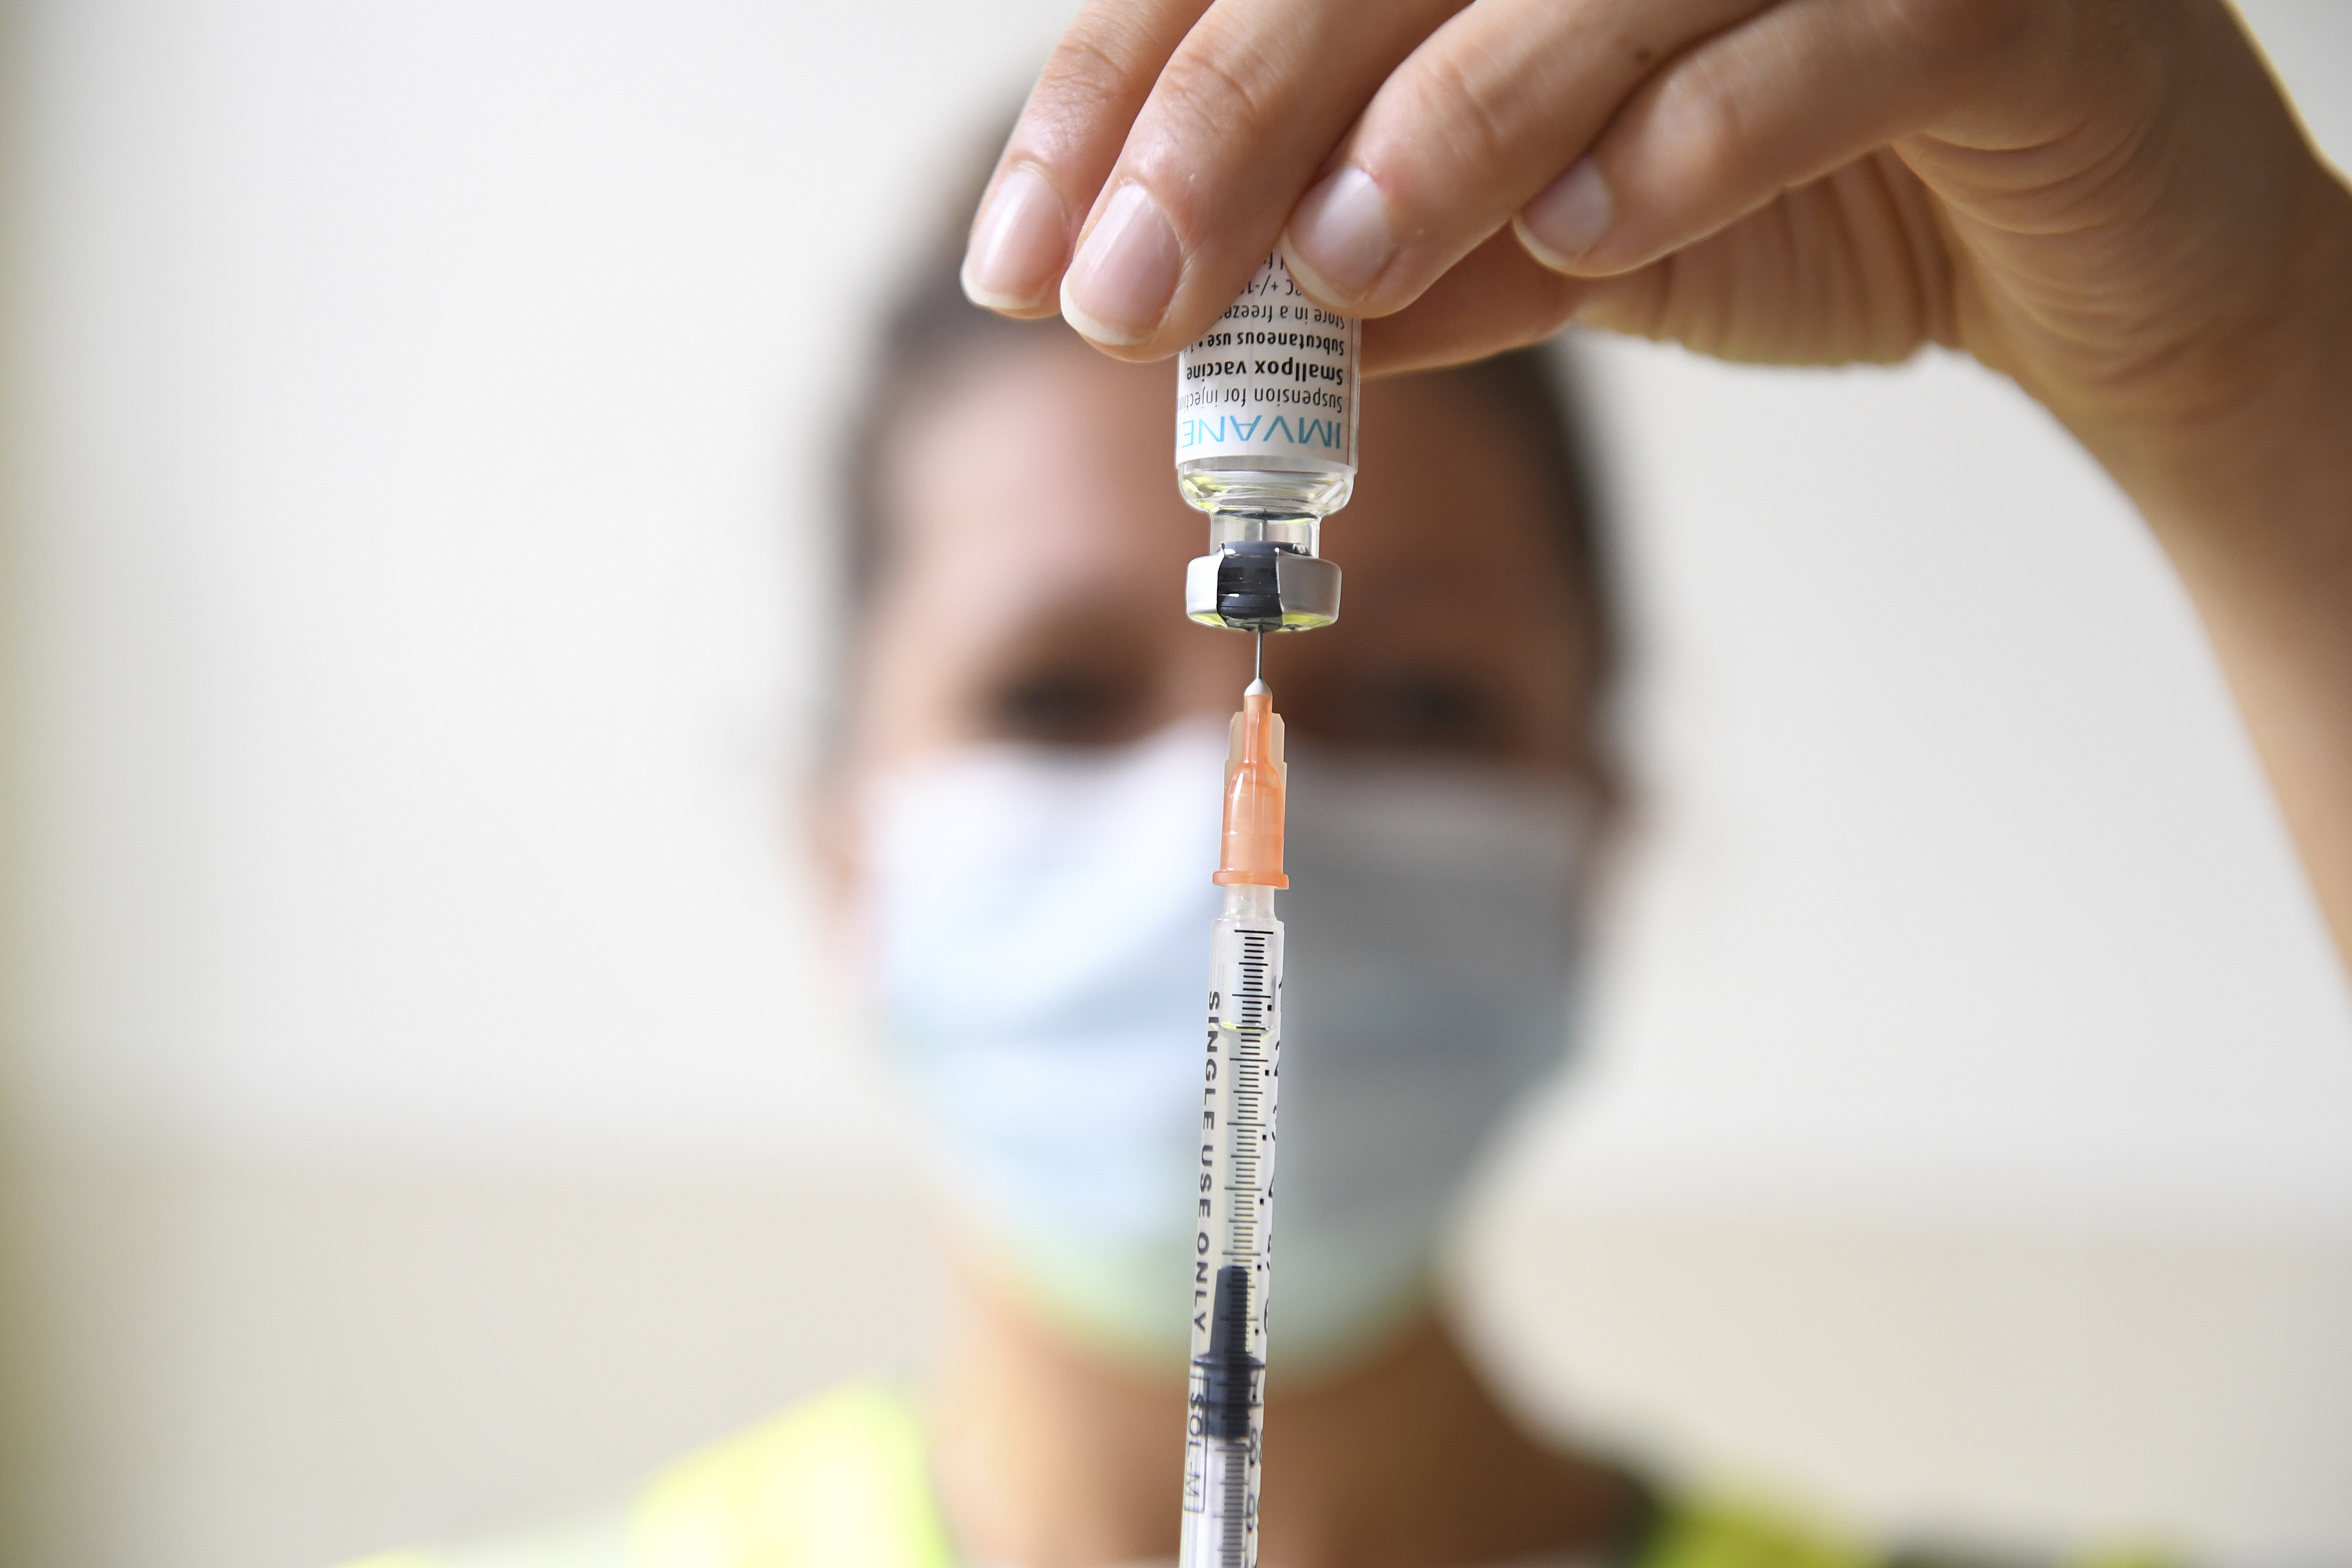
2251	495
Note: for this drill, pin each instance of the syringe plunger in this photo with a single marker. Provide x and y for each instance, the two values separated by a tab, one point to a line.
1228	1369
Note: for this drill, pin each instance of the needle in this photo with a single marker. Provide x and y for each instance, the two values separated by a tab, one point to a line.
1258	671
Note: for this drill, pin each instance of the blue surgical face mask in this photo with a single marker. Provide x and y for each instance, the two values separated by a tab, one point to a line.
1040	922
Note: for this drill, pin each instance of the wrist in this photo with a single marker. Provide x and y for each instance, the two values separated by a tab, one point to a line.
2246	433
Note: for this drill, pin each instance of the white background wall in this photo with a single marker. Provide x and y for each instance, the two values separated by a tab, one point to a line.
421	595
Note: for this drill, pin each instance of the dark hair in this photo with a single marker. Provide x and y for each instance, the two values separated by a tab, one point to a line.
931	325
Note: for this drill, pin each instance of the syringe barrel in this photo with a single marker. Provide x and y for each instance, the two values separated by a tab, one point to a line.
1234	1226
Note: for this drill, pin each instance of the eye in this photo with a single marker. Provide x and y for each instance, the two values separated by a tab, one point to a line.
1066	705
1427	710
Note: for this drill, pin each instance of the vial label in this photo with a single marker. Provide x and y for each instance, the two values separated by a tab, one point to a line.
1272	381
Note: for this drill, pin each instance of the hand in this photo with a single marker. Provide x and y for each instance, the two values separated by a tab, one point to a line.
2098	197
2108	200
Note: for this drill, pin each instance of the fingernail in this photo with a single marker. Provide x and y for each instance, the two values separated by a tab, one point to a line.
1119	287
1018	244
1567	218
1340	235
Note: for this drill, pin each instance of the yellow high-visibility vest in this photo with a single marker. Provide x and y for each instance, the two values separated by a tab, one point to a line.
842	1481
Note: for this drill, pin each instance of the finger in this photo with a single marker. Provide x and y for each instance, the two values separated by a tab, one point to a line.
1242	116
1495	298
1849	268
1068	137
1768	106
1470	127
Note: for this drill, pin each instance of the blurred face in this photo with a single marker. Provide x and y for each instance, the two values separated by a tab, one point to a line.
1032	792
1035	591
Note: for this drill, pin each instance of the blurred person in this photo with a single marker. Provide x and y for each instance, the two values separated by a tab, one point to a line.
2114	207
1018	841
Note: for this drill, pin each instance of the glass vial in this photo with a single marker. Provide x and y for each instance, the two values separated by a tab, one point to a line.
1265	444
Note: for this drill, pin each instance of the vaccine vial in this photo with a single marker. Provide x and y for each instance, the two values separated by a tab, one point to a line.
1265	444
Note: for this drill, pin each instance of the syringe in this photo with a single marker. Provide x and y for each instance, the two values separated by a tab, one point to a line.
1235	1214
1265	444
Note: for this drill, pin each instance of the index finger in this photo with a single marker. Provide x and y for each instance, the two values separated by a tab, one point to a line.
1063	146
1197	182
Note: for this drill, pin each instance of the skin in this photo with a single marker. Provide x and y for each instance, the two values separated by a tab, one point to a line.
2107	200
1047	1453
1079	638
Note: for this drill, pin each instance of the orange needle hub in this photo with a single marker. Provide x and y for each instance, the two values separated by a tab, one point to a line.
1254	777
